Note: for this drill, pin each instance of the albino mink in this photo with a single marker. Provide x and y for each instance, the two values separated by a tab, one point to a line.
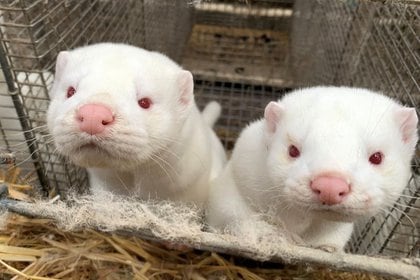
319	159
129	116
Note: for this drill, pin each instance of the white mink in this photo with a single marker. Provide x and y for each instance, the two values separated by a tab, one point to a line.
320	159
128	115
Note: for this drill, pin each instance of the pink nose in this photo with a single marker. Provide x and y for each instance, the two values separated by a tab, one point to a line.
330	190
93	118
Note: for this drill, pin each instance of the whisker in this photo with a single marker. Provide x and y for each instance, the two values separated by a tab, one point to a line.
21	132
406	206
174	141
406	196
171	140
400	212
168	164
124	185
165	150
156	160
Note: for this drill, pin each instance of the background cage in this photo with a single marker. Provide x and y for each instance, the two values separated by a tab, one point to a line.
242	54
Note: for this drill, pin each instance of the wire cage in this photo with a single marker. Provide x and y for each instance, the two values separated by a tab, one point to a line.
242	54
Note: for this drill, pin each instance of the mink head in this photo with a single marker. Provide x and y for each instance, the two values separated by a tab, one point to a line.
339	152
117	105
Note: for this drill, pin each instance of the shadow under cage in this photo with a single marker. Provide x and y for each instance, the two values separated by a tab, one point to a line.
242	54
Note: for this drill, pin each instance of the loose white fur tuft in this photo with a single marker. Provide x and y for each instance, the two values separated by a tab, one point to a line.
321	158
129	116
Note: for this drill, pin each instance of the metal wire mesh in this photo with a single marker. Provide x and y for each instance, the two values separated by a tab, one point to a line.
238	52
231	42
242	54
262	15
167	25
241	103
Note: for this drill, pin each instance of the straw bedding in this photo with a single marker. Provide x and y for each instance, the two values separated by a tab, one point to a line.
78	240
37	249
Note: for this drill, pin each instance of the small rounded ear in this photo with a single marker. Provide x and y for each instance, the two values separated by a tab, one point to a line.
62	59
186	87
407	121
272	115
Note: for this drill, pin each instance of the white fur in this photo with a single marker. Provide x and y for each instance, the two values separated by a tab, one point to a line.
165	152
211	113
336	130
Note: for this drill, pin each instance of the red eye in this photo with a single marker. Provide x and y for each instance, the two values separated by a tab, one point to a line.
376	158
293	151
145	103
70	92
